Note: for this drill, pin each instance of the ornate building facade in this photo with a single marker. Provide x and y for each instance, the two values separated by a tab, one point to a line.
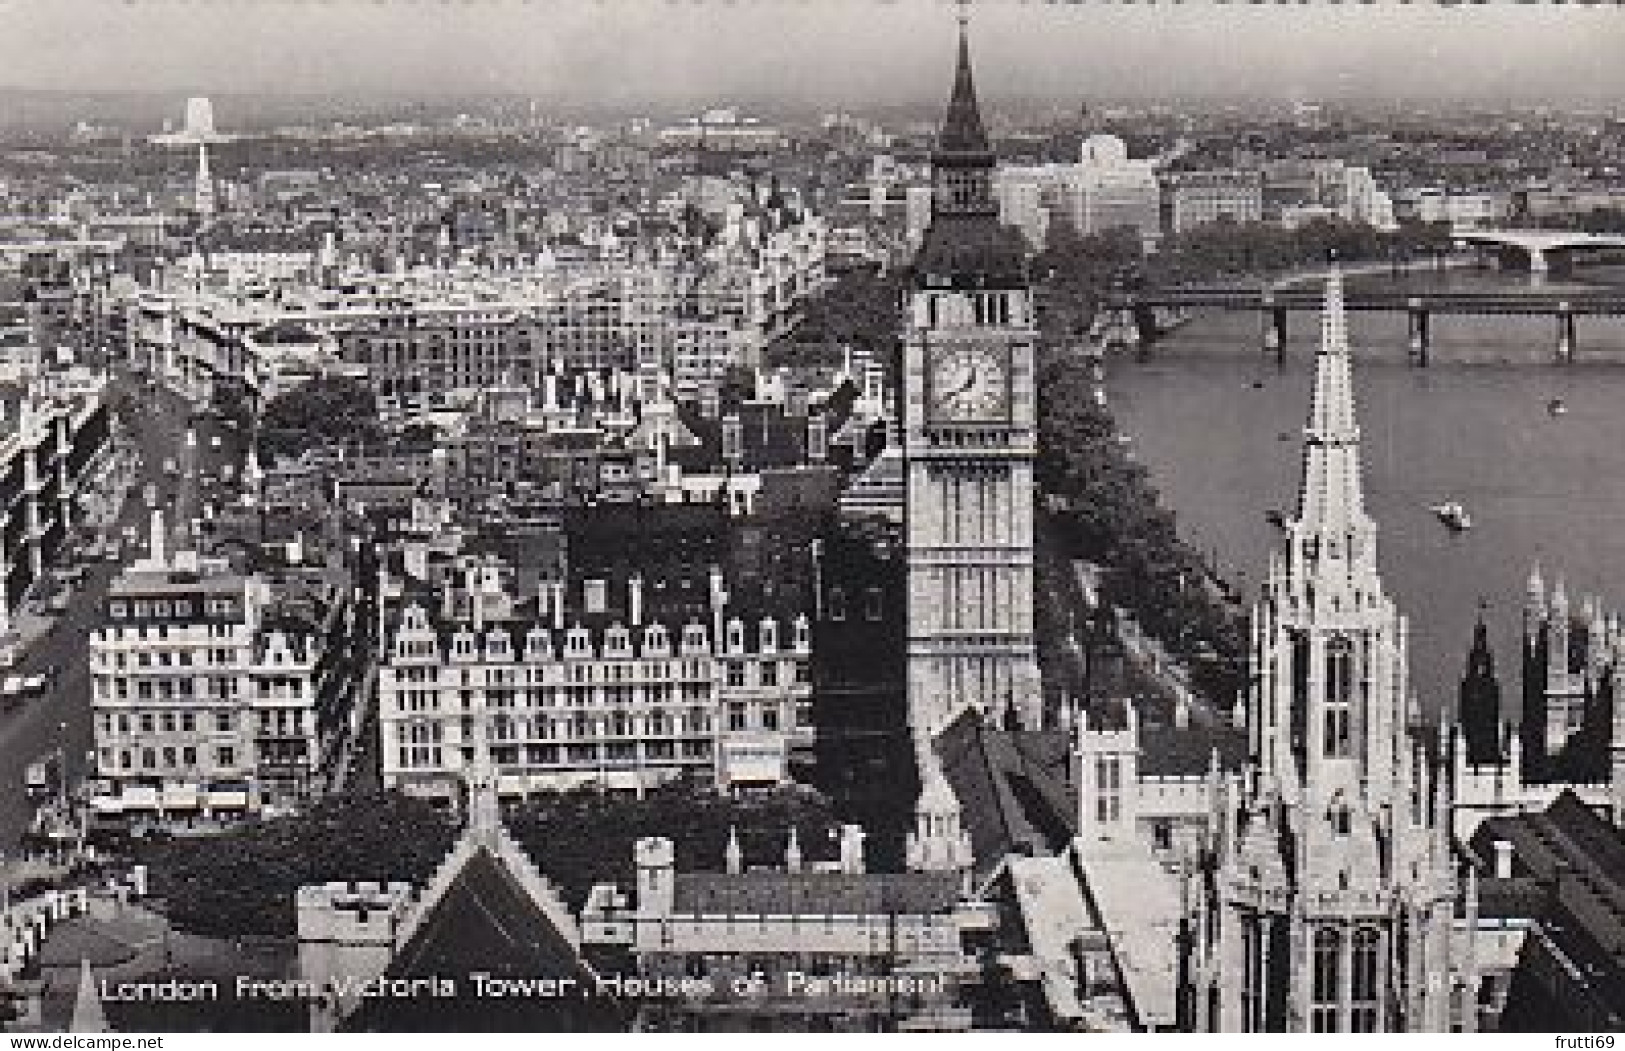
1332	886
1309	878
969	442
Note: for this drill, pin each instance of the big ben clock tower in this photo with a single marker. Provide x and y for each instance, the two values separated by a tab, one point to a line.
969	421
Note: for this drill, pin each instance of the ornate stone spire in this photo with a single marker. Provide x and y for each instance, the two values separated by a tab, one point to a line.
962	130
962	163
1332	500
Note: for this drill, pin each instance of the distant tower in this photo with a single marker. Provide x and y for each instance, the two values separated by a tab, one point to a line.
203	185
199	119
1479	707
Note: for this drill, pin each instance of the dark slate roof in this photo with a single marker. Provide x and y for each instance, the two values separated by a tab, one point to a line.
1516	897
1171	751
1012	789
486	923
970	252
1577	860
815	893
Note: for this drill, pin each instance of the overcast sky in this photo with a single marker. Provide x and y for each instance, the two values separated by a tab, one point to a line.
625	52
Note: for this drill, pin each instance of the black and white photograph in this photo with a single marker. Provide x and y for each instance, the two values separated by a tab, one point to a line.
811	516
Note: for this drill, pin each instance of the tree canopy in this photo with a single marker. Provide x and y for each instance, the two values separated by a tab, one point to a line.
243	881
327	410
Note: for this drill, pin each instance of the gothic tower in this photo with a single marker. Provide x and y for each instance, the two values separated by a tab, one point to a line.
969	416
1334	887
1479	708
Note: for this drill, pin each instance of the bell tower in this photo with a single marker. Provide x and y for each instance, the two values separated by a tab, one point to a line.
969	439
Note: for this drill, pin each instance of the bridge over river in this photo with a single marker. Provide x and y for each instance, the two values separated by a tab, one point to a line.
1137	318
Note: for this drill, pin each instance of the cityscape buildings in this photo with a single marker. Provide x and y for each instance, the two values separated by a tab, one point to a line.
701	561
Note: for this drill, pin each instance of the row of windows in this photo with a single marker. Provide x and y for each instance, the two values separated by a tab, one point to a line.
122	659
167	722
738	673
581	696
141	609
617	641
1364	963
151	688
738	717
171	758
614	753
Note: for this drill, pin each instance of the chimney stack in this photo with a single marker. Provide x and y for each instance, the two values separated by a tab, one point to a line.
160	547
852	837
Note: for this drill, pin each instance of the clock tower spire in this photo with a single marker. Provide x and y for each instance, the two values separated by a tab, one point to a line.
970	412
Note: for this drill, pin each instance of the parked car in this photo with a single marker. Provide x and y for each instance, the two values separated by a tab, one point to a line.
12	692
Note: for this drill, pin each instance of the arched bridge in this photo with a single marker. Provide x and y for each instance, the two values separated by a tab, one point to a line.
1540	245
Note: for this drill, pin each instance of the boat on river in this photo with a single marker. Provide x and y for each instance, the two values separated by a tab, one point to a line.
1453	515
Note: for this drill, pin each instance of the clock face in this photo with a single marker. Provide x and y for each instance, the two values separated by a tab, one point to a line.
969	383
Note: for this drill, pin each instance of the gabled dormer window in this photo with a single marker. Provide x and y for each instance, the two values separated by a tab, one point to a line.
736	636
770	635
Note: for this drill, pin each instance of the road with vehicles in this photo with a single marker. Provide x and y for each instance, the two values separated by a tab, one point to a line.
155	428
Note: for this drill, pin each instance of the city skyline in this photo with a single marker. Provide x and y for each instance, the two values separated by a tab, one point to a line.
852	53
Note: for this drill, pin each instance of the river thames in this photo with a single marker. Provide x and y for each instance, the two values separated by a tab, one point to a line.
1220	426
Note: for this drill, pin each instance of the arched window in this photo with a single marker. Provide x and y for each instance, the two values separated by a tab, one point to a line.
1328	952
1252	974
1365	981
1339	697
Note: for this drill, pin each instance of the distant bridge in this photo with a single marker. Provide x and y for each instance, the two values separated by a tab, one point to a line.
1137	318
1540	246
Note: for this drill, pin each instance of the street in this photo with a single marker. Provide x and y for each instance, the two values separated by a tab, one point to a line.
61	718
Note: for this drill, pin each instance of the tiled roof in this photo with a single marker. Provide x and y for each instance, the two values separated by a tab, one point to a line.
486	923
815	893
1170	751
1512	898
1012	789
972	251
